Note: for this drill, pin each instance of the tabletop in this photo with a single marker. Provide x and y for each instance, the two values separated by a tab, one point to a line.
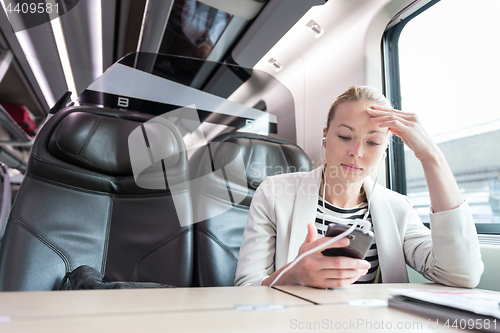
355	308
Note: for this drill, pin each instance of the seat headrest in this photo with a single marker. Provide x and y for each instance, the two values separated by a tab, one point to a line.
100	143
263	156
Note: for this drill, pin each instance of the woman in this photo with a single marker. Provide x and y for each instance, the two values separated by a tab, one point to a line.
285	207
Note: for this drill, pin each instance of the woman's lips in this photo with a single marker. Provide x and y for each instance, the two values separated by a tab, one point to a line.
351	167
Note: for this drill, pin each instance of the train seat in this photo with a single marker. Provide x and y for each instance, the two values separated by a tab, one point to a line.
219	217
79	205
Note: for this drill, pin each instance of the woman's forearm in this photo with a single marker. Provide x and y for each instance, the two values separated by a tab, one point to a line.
443	189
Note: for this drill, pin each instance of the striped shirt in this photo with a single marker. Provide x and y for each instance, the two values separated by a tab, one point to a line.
349	214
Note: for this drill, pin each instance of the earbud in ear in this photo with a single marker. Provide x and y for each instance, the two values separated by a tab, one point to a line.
384	155
324	139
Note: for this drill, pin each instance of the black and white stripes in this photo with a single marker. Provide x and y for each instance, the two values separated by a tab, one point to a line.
348	214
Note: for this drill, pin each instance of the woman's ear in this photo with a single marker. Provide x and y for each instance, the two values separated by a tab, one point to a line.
323	140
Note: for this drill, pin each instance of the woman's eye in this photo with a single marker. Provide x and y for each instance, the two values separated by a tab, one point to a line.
371	143
344	137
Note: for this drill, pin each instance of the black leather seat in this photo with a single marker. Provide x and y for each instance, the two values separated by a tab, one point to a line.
79	204
221	199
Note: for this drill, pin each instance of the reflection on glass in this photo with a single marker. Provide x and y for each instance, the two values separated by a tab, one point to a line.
193	29
157	84
220	79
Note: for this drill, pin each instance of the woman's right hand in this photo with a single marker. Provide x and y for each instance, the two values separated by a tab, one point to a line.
317	270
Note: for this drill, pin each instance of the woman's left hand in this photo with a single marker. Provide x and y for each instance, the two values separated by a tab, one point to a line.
407	126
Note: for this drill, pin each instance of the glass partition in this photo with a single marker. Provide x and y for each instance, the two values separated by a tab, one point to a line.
222	94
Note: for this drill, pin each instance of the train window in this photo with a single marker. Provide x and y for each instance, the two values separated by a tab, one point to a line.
442	63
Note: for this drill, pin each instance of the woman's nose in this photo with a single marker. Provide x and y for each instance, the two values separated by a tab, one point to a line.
356	150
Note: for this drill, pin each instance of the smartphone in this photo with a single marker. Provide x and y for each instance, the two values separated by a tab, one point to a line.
359	242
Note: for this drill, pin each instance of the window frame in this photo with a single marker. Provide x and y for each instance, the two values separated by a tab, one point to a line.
396	168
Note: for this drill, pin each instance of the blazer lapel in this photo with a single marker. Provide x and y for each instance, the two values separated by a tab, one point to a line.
389	244
304	211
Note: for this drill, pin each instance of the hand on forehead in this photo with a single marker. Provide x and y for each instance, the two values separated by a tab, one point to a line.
354	115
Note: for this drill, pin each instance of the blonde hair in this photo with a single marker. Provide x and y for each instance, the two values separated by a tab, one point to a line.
356	94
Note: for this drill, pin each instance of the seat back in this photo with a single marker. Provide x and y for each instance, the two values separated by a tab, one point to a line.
79	204
218	238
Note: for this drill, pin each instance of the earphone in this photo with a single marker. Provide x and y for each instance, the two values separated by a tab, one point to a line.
362	223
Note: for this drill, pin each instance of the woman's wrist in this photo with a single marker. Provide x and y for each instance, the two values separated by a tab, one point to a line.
285	279
430	155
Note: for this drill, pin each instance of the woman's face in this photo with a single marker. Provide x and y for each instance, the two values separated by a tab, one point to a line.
354	145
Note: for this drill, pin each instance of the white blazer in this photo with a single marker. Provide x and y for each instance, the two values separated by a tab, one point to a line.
283	205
